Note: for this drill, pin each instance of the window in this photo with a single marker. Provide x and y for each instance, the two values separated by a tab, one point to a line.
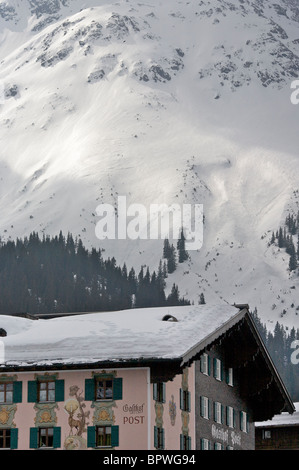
159	392
104	389
230	377
159	438
204	407
185	442
205	444
103	436
218	446
266	434
217	369
243	421
230	416
218	411
4	438
6	392
10	391
205	364
45	437
46	391
185	400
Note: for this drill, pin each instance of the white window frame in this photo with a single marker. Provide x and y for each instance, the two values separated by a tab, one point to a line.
218	446
205	444
205	407
230	377
230	417
243	421
218	367
205	364
218	412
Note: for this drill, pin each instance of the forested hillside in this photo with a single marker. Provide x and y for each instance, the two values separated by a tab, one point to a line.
58	274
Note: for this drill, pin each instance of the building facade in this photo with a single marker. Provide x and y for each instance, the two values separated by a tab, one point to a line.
206	398
279	433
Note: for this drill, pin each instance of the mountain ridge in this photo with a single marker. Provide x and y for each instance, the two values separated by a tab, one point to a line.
168	102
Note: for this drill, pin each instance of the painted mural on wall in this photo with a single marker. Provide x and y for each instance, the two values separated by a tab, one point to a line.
77	420
172	410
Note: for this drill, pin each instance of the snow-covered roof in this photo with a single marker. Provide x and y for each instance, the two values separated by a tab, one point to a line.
111	336
282	419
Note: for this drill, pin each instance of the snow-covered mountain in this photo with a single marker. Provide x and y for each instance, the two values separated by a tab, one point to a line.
162	102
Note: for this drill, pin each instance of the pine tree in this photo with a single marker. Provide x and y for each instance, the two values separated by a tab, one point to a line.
183	254
171	262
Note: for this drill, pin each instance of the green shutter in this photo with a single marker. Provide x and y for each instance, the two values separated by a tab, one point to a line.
114	436
118	389
163	438
181	398
33	444
32	391
209	365
59	390
17	392
155	392
188	401
189	443
181	442
91	436
89	389
56	438
163	392
14	438
155	437
201	406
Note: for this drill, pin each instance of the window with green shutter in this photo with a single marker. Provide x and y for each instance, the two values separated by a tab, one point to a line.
102	436
159	438
185	442
159	392
103	388
185	400
49	437
45	391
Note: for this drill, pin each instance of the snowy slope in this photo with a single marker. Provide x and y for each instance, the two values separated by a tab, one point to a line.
162	102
